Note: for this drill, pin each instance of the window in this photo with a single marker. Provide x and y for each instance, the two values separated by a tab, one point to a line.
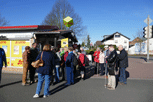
125	41
116	41
117	36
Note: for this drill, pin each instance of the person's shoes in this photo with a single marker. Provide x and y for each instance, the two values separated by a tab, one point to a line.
67	84
107	85
25	84
45	96
120	83
123	84
110	88
36	81
36	96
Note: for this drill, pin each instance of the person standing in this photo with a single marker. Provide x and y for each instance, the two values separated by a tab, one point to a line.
45	72
63	58
96	59
26	63
33	55
101	61
106	52
111	59
81	64
70	67
123	64
2	59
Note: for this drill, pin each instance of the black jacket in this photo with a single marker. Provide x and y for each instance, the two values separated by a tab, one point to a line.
111	59
123	59
33	54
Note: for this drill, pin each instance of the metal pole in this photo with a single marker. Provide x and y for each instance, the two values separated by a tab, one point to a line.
148	40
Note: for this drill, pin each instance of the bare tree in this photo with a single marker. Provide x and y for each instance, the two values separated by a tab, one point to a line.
3	21
60	10
139	36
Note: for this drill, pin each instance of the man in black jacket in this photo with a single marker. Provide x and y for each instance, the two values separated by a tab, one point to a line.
33	55
111	59
123	64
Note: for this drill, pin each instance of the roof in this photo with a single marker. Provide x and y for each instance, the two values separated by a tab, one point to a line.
112	35
27	27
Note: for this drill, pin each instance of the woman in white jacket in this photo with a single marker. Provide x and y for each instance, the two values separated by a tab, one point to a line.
101	61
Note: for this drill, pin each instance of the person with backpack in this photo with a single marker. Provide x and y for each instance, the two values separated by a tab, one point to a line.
2	59
81	64
70	67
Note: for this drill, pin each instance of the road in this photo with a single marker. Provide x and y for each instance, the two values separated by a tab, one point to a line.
90	90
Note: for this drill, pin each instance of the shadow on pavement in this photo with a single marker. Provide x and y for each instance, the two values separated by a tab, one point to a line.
10	84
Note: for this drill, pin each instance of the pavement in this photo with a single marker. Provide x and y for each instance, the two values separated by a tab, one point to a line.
90	90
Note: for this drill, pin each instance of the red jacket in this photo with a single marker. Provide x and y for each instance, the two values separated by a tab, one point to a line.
96	54
81	60
65	55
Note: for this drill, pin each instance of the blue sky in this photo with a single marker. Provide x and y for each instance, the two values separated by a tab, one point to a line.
102	17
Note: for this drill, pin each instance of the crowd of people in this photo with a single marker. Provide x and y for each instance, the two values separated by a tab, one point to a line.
108	60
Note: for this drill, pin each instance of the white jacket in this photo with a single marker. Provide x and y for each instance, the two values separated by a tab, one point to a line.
101	57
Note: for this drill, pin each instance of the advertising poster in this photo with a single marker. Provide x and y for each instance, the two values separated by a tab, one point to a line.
5	48
64	42
16	50
23	48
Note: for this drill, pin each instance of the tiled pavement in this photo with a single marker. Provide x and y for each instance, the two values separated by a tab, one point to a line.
138	69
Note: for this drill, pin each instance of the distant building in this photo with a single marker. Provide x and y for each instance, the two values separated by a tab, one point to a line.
136	40
98	43
141	48
116	39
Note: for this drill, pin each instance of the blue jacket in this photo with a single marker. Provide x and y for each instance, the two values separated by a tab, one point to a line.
49	63
69	60
2	58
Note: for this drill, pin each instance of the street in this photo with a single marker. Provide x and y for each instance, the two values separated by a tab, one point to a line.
90	90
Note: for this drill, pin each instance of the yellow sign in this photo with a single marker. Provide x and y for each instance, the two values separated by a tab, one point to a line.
17	48
64	42
16	62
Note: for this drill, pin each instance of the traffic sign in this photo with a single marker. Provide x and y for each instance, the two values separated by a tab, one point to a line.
146	20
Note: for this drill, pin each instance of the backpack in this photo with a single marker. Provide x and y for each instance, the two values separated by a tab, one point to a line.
75	60
86	60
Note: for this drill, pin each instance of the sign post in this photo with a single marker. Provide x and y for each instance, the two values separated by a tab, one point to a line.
148	21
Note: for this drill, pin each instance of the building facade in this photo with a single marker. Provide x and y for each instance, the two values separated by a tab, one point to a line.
116	39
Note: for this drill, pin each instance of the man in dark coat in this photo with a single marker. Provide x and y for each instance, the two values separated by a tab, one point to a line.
70	67
123	64
33	55
2	59
111	59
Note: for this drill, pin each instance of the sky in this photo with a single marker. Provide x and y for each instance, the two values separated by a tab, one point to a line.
101	17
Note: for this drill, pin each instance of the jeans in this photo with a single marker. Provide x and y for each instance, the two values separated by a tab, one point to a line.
41	79
0	73
70	78
57	74
102	68
122	77
97	68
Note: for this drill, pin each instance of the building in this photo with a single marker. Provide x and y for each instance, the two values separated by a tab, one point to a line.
116	39
13	40
133	42
141	48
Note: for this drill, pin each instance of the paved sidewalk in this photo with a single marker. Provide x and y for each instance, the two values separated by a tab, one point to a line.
138	69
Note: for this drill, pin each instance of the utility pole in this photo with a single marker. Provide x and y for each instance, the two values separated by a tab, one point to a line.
148	40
